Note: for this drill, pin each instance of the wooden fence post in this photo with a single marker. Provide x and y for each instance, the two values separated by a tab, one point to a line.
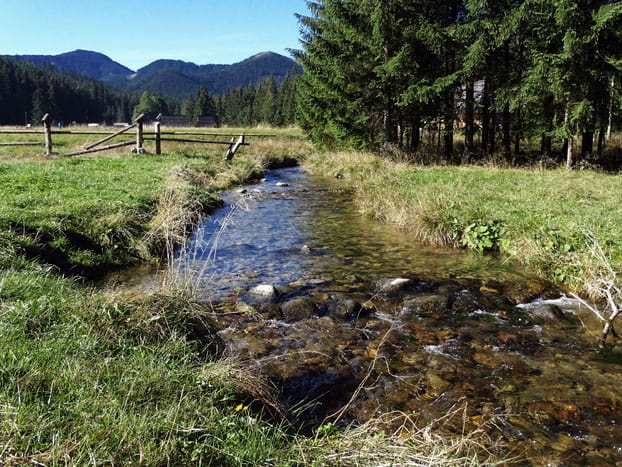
139	134
234	146
47	130
158	142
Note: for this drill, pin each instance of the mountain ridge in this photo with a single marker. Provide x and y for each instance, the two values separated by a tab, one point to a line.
171	77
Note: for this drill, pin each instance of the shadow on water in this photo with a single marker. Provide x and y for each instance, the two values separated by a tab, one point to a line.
458	330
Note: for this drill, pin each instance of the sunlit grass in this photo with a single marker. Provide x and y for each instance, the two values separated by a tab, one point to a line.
544	213
91	376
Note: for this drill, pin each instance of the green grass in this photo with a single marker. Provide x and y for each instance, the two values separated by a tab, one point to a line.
538	217
87	377
87	381
90	376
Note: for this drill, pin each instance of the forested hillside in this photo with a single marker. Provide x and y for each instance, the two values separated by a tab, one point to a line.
181	80
173	78
500	73
27	92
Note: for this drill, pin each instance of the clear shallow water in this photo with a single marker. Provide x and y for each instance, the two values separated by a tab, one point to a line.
540	387
308	231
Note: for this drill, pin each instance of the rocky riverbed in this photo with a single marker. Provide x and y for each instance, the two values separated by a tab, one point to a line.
350	319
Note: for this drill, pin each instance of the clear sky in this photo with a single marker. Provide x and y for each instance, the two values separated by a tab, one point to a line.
135	33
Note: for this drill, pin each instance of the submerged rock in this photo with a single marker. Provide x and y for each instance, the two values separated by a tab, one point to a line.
465	302
390	286
270	311
298	309
244	309
347	309
546	312
424	304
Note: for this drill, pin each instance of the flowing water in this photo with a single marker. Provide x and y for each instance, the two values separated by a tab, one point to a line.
460	334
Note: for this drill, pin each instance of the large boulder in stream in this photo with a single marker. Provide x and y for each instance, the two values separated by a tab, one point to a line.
424	304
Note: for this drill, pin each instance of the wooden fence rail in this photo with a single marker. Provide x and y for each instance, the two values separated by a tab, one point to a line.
141	136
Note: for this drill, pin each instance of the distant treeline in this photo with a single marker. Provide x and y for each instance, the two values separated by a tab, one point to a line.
265	104
28	91
377	71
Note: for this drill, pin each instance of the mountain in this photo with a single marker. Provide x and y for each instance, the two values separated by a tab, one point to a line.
83	62
173	78
179	79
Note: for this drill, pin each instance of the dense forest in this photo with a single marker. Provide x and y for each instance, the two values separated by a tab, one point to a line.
500	73
265	104
27	92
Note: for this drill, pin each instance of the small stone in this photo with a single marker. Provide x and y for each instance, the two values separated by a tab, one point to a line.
242	191
282	184
244	308
393	285
547	313
424	304
264	290
298	309
305	250
263	180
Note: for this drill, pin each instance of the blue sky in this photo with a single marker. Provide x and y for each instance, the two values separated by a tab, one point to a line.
135	33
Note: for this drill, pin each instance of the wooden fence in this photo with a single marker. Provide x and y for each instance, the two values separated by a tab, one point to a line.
157	136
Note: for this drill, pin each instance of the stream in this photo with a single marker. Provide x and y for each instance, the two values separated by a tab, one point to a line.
351	319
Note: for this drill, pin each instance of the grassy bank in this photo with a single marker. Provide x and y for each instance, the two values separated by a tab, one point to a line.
541	218
92	377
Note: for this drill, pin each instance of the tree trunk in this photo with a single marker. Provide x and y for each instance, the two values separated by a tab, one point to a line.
415	139
517	132
613	82
507	135
587	144
387	123
601	140
569	153
492	122
469	120
448	133
485	118
547	141
492	133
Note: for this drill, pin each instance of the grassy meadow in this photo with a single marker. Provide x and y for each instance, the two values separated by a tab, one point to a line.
92	375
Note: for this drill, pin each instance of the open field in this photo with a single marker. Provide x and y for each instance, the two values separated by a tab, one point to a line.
92	376
81	136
